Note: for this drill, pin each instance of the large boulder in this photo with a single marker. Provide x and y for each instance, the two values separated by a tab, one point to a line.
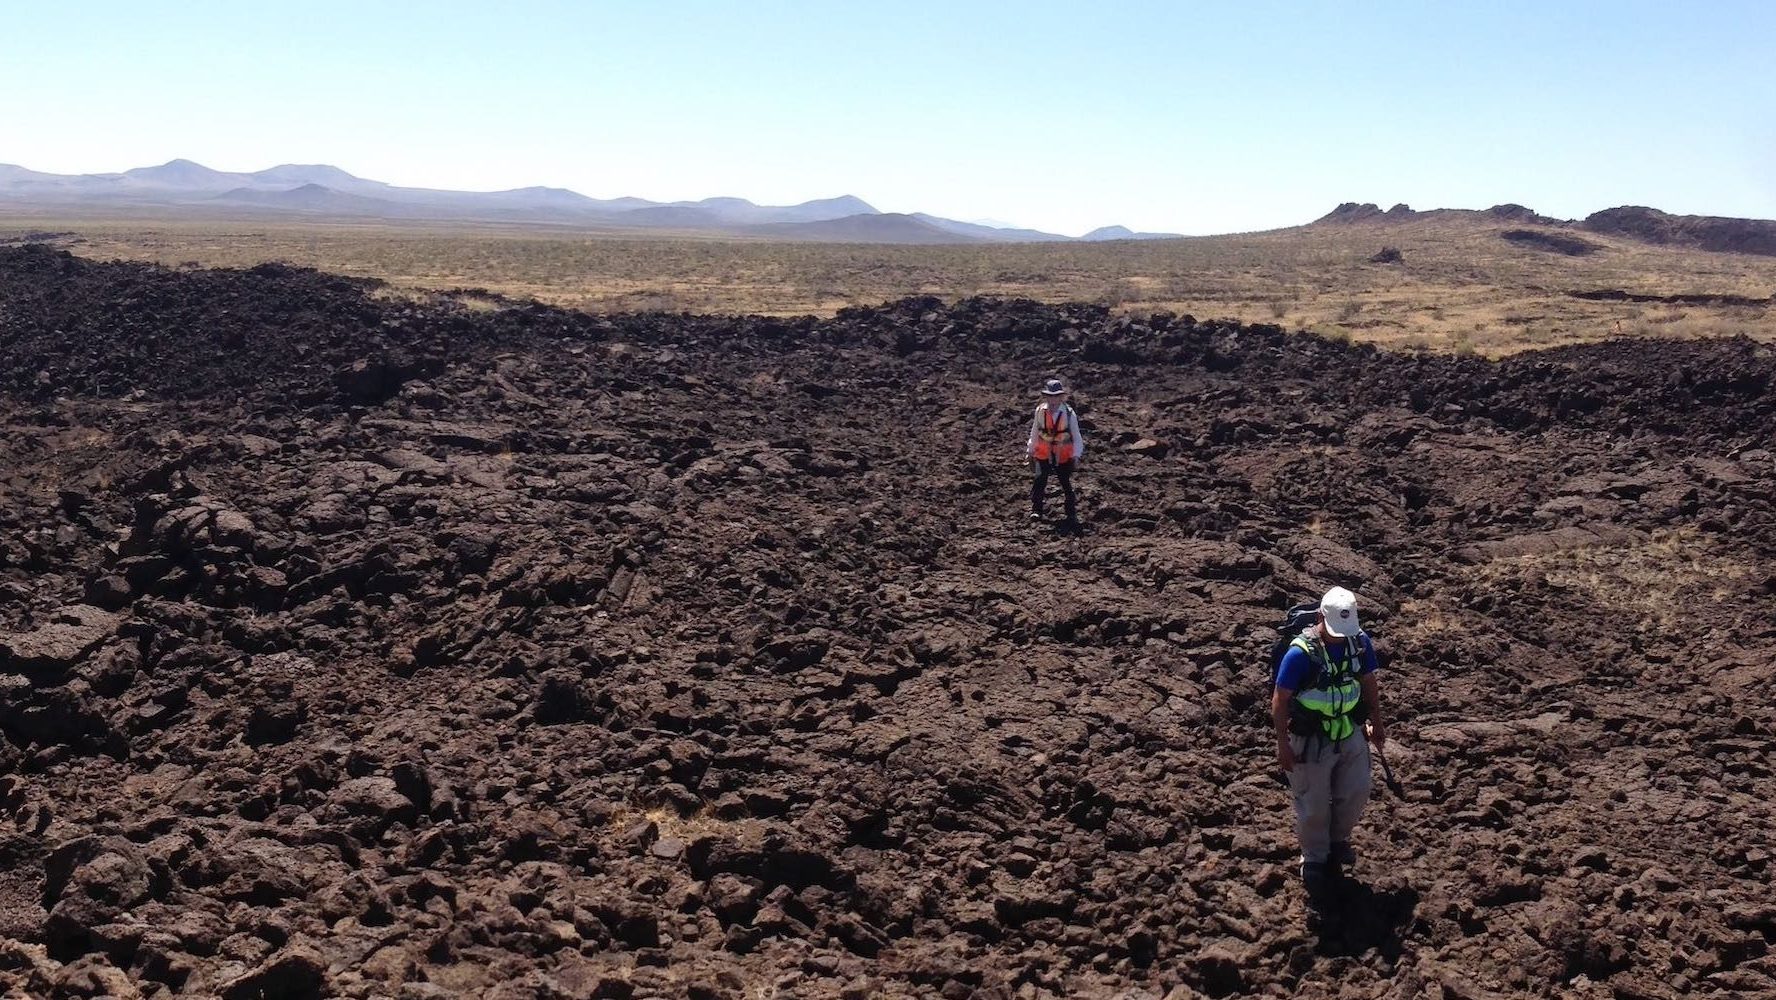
295	972
59	644
178	526
90	882
373	804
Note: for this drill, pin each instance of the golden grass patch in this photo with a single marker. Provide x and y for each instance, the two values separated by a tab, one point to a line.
703	823
1461	287
1653	585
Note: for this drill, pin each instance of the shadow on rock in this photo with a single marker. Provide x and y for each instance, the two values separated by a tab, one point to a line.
1357	918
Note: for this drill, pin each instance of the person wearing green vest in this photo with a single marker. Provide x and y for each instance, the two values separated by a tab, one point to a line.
1326	696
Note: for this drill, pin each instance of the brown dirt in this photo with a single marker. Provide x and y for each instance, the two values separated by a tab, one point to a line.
377	648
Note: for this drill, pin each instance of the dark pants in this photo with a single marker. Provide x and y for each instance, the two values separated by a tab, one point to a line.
1039	488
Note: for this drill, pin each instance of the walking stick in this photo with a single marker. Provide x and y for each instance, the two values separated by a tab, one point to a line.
1387	775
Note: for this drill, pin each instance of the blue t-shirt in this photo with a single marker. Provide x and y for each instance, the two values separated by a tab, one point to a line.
1298	668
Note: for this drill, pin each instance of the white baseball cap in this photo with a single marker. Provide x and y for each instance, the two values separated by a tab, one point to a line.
1339	606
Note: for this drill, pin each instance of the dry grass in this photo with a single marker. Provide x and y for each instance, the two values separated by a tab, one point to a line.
1651	587
1462	287
668	823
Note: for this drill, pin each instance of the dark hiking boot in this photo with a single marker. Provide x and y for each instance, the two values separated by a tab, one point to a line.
1317	877
1343	854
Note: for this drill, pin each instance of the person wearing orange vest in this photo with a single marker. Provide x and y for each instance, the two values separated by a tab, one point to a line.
1056	445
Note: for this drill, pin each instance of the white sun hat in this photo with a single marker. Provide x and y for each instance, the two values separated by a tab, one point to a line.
1340	608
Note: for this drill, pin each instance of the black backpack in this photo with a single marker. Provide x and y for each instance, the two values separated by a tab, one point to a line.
1298	619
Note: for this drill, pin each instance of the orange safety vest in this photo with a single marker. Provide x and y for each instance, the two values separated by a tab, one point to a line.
1054	441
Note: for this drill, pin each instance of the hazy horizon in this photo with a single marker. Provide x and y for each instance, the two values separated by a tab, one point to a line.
1209	120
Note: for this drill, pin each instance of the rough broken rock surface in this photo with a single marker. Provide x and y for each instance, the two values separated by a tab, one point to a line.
353	646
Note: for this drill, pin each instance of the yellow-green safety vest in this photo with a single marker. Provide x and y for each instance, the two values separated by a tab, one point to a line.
1336	693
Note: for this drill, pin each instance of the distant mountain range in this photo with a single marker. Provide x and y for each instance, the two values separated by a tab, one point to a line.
1635	222
319	191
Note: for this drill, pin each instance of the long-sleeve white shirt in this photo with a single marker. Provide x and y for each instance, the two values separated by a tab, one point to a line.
1071	420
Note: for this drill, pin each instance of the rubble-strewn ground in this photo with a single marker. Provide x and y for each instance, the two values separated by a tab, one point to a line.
363	647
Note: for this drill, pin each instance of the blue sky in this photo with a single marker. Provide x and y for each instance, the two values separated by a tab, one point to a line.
1185	117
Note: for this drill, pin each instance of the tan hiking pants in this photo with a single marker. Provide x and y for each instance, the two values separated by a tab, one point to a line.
1330	786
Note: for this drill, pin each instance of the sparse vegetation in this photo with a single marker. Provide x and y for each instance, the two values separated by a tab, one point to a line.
1466	289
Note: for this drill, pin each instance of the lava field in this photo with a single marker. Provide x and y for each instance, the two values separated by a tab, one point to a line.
363	646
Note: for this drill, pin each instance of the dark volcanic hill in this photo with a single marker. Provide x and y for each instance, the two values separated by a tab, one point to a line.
1351	213
1647	225
362	647
1703	232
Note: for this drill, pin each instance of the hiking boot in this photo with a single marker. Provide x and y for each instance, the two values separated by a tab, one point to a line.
1317	878
1343	854
1070	527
